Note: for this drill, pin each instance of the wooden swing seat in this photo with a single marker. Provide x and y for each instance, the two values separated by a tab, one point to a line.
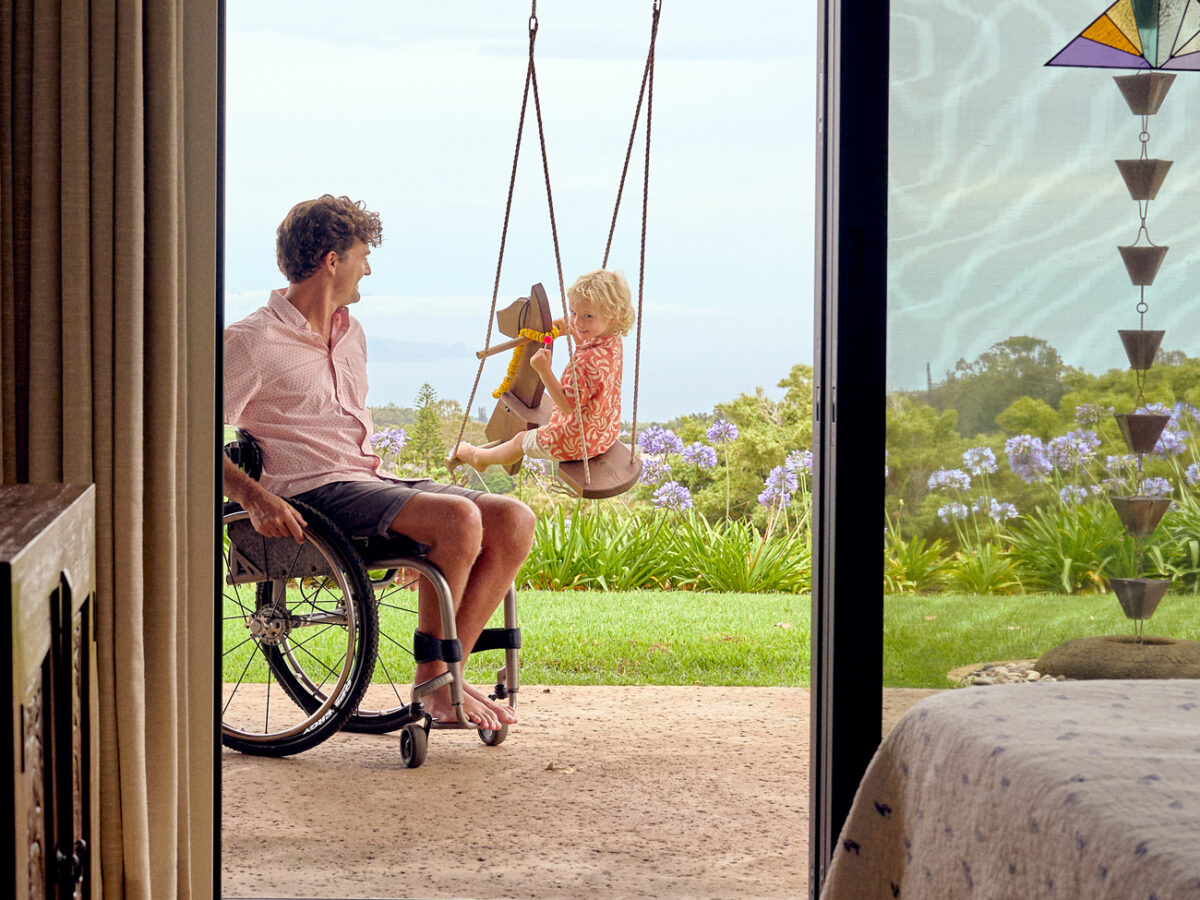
612	472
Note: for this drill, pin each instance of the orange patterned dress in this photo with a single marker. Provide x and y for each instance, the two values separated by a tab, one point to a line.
591	381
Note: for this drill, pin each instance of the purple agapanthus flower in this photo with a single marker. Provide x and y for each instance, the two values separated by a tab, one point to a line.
980	460
1091	414
662	441
721	431
1073	450
1155	487
536	466
700	455
654	470
1193	473
1073	494
949	478
672	495
1027	457
994	508
886	470
1122	464
778	487
389	440
1001	511
953	511
1171	442
1186	410
801	461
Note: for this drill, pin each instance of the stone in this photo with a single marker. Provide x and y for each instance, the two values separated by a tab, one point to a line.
1122	656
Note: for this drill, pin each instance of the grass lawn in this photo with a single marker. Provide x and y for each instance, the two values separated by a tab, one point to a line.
660	637
925	636
686	638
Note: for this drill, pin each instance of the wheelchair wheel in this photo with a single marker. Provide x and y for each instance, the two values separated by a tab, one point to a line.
300	636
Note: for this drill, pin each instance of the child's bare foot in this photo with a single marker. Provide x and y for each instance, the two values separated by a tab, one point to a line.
454	460
466	453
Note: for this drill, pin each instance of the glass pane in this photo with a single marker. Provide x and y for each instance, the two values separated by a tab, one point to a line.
1007	538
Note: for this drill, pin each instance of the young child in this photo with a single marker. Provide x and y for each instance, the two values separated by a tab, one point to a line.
601	312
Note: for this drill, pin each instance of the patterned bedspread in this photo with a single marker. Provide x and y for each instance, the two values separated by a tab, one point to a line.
1084	789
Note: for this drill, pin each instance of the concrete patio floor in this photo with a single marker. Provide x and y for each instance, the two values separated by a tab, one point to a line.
663	792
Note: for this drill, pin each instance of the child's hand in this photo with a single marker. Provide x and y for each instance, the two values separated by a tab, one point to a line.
541	361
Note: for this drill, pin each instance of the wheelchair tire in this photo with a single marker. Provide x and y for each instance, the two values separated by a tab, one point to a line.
313	632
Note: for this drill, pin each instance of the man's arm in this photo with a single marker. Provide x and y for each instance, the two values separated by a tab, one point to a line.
270	514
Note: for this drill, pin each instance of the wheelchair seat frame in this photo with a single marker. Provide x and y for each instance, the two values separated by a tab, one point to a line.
315	622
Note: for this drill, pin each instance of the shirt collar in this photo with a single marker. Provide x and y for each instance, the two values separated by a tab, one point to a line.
289	315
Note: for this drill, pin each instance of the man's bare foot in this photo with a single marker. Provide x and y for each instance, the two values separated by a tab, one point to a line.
502	710
478	713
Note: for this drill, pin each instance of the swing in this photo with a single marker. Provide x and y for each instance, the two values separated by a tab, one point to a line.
522	403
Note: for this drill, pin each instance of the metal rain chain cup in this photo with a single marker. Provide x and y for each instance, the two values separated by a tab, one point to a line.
1152	36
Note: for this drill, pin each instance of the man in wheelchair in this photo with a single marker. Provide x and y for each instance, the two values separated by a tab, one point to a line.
296	379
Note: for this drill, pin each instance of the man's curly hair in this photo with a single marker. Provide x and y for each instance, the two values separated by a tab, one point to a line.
314	227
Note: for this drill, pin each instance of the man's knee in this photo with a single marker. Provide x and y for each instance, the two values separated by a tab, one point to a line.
508	525
445	521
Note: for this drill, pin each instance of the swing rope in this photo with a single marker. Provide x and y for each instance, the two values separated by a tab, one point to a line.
530	83
646	93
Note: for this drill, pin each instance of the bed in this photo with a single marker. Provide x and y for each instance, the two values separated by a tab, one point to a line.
1087	789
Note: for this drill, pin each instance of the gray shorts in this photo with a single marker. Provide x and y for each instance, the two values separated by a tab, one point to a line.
364	508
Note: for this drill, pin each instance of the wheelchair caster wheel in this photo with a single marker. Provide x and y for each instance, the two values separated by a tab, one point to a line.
414	744
492	738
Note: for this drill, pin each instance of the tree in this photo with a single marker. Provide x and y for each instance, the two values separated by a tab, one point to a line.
1016	367
1025	415
425	445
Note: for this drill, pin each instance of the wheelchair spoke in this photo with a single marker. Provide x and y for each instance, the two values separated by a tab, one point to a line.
329	671
299	645
238	645
390	680
237	684
381	605
406	648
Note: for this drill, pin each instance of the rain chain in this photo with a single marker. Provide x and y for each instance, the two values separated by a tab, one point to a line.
1140	514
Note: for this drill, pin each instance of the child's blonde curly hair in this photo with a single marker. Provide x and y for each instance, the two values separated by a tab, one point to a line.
609	291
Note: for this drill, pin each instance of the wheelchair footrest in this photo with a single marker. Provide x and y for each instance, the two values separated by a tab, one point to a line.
428	687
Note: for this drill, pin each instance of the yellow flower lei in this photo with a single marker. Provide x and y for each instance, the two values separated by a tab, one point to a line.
541	337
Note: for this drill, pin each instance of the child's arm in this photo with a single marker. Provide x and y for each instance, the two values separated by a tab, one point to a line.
540	362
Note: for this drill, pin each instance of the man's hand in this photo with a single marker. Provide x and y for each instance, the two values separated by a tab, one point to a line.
275	517
270	514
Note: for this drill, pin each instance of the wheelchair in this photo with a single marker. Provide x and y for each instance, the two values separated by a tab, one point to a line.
311	635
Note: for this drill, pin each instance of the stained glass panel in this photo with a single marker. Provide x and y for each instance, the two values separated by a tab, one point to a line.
1155	30
1105	31
1189	29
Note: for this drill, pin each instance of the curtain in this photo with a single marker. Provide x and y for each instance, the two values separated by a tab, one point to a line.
108	236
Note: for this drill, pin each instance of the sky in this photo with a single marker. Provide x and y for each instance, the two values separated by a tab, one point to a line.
413	108
1005	206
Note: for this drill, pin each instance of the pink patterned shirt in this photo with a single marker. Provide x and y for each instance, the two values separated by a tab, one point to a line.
304	402
592	381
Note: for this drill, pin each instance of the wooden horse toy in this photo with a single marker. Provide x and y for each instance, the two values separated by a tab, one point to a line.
523	404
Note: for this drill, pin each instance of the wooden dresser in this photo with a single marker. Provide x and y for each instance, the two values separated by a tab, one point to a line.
47	582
